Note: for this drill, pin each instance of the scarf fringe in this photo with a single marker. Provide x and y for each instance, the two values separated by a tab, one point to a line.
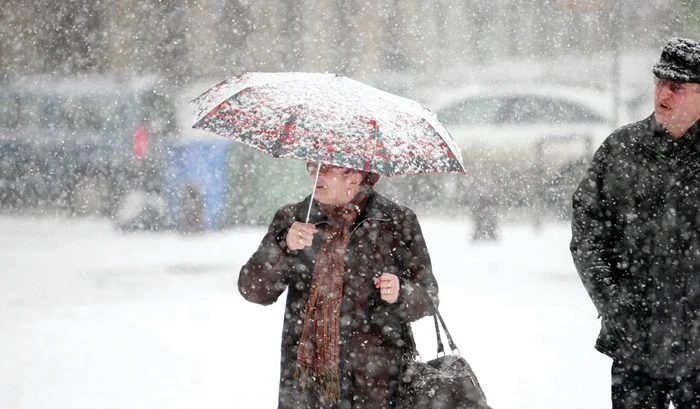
327	384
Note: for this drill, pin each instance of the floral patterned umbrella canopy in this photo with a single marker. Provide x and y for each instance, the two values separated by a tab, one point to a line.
330	119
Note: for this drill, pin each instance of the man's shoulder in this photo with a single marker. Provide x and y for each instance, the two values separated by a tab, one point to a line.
633	131
628	136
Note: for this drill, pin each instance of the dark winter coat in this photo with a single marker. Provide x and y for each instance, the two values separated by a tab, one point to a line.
386	238
636	245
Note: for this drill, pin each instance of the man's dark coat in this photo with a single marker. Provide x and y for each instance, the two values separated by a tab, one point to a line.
636	247
386	238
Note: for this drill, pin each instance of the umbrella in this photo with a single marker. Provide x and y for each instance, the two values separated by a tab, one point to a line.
331	119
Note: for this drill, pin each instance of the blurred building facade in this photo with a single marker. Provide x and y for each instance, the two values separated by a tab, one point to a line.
182	40
393	44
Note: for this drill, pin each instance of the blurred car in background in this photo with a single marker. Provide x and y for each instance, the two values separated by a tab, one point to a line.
124	148
525	146
80	143
518	116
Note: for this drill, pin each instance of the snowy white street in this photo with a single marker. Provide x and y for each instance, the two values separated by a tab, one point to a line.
91	318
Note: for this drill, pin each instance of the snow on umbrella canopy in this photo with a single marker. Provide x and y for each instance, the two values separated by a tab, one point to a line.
331	119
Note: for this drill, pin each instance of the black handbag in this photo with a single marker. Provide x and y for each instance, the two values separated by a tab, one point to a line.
446	382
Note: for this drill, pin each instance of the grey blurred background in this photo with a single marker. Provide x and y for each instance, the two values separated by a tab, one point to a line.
155	55
184	40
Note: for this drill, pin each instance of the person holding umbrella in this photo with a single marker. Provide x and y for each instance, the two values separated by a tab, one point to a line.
352	274
354	264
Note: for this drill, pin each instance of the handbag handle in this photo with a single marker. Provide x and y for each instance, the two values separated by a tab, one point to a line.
436	316
441	348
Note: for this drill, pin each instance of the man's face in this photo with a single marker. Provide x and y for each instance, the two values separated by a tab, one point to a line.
676	105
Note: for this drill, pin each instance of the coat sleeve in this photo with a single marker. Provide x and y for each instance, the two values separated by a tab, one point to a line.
264	277
416	271
592	220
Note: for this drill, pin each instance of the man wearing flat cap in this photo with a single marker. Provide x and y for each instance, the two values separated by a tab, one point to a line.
636	242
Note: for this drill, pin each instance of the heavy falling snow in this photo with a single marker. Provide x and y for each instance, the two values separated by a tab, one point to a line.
123	229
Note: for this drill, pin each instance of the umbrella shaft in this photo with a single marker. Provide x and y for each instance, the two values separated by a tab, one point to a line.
313	190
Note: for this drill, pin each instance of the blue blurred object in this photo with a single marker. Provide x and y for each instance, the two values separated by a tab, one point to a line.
196	182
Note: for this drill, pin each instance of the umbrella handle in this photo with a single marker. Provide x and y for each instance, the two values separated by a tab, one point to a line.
313	190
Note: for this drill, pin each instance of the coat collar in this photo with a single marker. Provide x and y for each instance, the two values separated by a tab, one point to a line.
377	208
657	139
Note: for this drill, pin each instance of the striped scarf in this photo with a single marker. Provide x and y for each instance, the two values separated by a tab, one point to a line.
318	360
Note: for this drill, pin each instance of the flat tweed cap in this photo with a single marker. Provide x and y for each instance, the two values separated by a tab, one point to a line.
680	61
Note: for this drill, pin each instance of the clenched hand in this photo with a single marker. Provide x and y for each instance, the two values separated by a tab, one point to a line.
389	287
300	235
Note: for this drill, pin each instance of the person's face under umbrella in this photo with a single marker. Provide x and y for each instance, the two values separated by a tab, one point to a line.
333	183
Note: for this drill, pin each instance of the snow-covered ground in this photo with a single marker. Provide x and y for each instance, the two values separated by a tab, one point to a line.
94	319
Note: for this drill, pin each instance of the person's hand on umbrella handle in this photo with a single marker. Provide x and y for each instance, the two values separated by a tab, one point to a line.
389	287
300	235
